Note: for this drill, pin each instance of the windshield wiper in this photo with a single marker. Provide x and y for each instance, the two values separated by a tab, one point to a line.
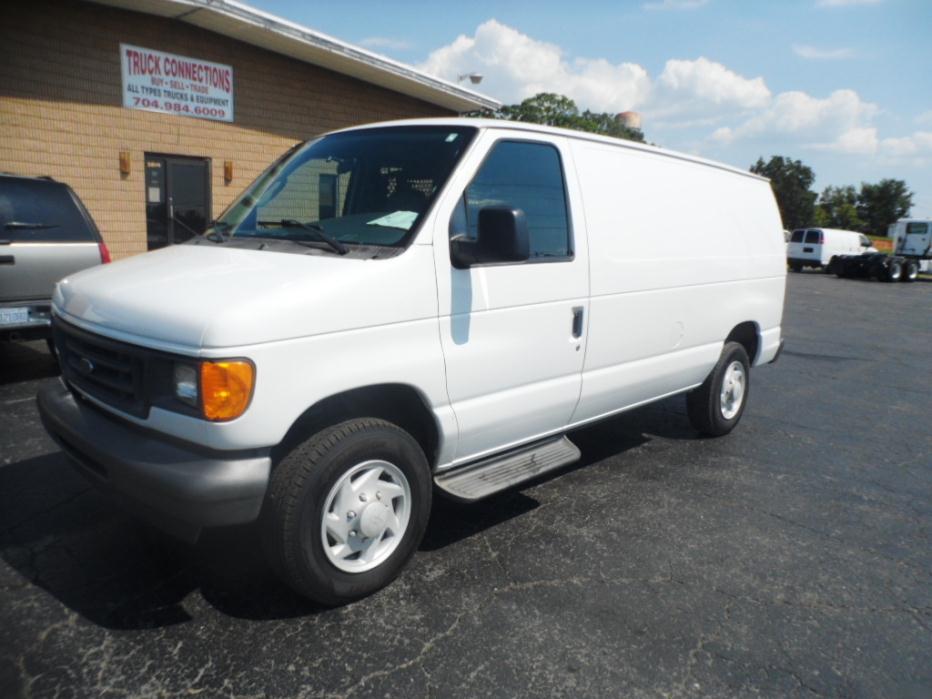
218	232
314	228
20	225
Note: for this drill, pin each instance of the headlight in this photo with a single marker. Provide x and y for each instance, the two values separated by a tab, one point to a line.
226	388
185	384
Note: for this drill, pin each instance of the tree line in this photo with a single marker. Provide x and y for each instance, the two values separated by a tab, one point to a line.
868	209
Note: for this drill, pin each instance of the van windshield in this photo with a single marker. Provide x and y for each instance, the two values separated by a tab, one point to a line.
366	187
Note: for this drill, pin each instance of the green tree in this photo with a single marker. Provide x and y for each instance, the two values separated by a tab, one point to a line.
791	181
837	208
881	204
552	109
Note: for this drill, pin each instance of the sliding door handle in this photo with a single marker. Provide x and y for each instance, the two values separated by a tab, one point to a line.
7	260
577	322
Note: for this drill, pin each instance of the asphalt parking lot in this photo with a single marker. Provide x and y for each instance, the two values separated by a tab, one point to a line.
791	558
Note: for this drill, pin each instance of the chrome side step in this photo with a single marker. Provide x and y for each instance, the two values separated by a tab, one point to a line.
483	478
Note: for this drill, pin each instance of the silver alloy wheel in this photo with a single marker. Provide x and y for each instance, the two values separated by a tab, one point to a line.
365	516
734	384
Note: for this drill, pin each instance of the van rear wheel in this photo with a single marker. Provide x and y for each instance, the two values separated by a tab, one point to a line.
715	407
346	509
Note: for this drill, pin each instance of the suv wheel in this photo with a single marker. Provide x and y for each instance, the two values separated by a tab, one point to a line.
346	510
717	405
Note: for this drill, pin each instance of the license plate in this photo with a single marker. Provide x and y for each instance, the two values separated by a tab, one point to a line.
14	316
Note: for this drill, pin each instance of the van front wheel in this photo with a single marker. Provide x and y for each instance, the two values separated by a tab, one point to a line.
346	509
715	407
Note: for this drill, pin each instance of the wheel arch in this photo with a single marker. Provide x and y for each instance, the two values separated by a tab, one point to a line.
398	403
747	334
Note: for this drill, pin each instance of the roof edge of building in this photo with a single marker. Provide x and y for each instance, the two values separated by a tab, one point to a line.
239	21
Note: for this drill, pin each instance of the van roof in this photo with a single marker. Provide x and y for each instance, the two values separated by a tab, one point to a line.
837	230
502	124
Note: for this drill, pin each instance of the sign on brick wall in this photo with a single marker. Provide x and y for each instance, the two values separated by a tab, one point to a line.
164	82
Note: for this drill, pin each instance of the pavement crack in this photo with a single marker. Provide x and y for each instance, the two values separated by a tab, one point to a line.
413	662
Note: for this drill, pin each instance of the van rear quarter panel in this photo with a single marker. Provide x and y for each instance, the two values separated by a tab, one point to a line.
680	253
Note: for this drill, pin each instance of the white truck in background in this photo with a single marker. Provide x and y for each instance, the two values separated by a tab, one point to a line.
912	238
912	252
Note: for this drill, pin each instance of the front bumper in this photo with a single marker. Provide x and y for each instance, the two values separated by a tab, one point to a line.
177	486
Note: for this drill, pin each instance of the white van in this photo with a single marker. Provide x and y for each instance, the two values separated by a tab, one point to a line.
815	247
408	305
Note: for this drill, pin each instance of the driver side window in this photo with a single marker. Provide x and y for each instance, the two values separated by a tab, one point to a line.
526	176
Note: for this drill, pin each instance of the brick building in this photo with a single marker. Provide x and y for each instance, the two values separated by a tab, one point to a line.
158	112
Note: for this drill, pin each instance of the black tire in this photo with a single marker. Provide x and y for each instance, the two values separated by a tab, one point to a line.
293	512
894	271
910	271
703	404
796	267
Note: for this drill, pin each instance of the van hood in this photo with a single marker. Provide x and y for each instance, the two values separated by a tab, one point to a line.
192	297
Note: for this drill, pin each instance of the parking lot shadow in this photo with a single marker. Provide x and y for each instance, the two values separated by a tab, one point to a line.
25	361
62	535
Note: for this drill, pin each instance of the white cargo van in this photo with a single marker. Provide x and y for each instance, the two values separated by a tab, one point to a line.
408	305
815	247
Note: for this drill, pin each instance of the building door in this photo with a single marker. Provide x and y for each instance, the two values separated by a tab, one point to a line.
177	198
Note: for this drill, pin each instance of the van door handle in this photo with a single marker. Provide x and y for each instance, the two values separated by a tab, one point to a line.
7	260
577	322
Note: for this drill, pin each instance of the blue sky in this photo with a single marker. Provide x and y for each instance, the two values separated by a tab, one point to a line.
843	85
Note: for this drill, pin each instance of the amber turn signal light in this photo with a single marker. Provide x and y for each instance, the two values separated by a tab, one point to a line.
226	388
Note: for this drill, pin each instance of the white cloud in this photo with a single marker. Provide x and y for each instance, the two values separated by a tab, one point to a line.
924	118
675	4
689	94
920	143
385	42
712	82
858	140
822	54
517	66
835	122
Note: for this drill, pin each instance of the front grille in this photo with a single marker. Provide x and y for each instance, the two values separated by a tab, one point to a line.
110	371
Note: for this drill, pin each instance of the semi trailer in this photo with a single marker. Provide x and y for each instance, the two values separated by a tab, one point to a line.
912	251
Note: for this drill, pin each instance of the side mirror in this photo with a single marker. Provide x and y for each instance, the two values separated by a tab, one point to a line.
502	237
866	243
